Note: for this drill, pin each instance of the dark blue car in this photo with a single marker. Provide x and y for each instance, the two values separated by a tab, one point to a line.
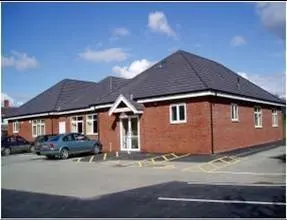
64	145
14	144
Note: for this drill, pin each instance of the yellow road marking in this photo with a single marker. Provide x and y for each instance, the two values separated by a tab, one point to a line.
105	156
165	167
220	159
213	165
174	155
91	159
164	157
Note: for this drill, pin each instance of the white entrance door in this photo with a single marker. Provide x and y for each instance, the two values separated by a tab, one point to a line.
129	129
62	127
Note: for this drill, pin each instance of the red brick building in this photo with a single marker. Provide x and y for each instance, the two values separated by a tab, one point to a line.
183	104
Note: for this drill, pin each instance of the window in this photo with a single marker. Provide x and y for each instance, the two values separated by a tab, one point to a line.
177	113
77	124
234	112
69	137
274	118
92	124
258	117
38	127
16	126
80	137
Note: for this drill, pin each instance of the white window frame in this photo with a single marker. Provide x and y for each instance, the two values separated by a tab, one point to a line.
236	112
16	126
76	121
177	121
274	114
91	121
38	123
256	112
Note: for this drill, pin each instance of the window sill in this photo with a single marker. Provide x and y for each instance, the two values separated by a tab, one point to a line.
258	126
92	134
177	122
15	132
275	126
235	120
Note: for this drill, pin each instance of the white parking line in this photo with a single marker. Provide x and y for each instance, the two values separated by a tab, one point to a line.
239	184
249	173
222	201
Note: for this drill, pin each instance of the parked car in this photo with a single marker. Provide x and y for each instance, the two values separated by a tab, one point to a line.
14	144
39	140
64	145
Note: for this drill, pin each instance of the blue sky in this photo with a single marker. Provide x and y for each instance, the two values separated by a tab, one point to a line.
43	43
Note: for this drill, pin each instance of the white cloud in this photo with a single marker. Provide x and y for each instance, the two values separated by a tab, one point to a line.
20	61
107	55
133	69
12	101
272	15
120	32
273	83
238	41
157	22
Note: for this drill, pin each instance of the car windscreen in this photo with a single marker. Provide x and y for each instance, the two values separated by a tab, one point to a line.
51	137
55	138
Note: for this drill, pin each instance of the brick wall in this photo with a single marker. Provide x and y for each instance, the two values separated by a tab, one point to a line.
109	131
51	126
194	136
229	135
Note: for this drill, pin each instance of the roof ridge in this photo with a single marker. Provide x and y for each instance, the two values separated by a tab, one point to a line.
232	72
59	95
204	83
78	80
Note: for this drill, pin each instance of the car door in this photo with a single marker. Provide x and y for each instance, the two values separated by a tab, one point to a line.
13	145
69	141
82	143
23	144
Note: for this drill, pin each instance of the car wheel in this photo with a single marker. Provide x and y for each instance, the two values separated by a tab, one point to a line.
7	151
32	149
64	154
97	149
50	157
38	153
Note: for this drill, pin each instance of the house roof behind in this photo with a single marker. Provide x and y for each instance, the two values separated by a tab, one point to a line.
183	72
7	110
54	98
92	95
69	94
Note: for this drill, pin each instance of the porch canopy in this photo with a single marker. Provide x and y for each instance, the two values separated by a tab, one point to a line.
123	104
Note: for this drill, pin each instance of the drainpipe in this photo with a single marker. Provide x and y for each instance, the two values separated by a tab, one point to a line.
52	125
211	125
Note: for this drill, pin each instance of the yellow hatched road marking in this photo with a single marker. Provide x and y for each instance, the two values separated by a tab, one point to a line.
164	157
91	159
105	156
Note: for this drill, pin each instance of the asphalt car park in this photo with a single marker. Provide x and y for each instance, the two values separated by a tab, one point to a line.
254	186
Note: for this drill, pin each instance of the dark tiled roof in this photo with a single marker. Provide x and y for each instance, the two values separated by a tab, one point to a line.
8	110
54	98
93	94
180	72
69	94
183	72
